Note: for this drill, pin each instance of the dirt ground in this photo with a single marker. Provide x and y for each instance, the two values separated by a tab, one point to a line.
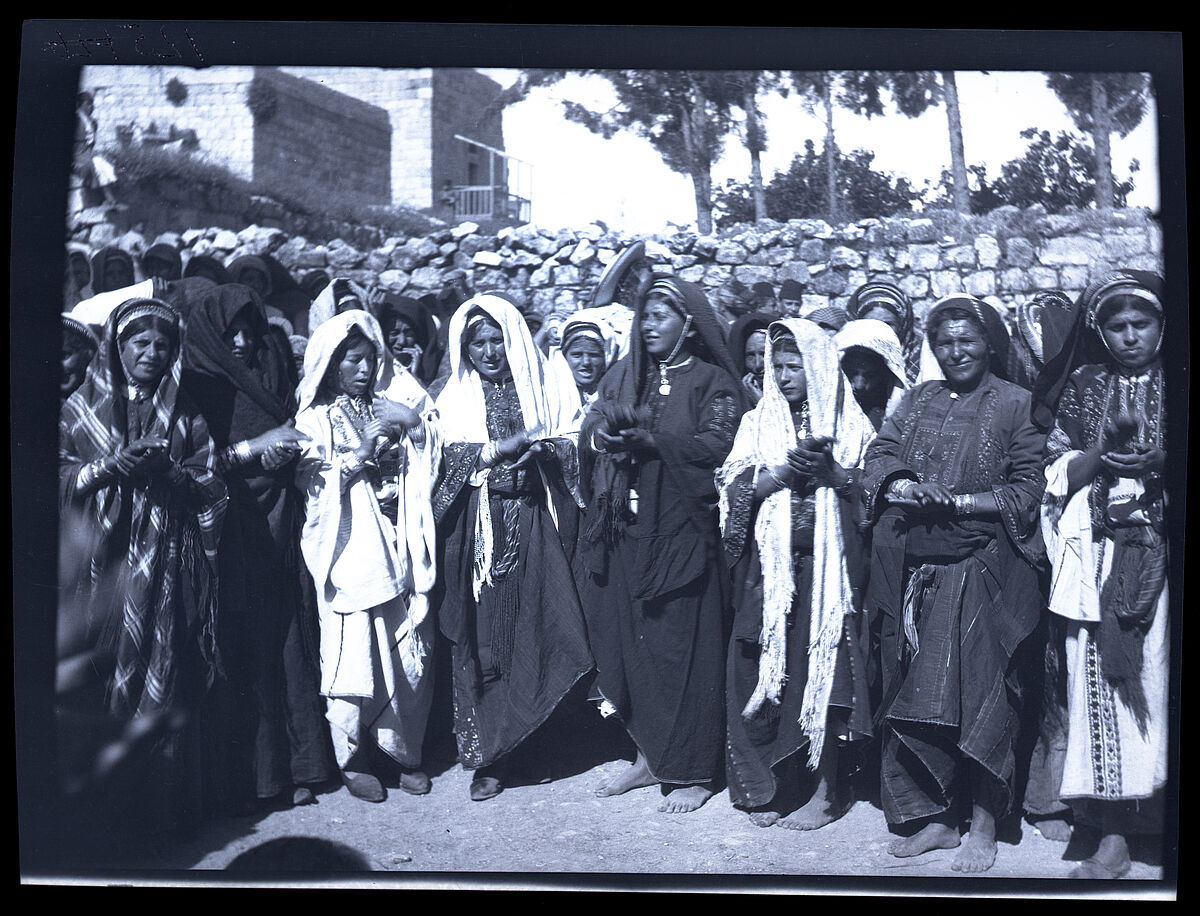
548	830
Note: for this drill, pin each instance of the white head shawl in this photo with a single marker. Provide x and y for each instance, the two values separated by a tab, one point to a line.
415	526
878	337
602	325
549	403
324	306
765	436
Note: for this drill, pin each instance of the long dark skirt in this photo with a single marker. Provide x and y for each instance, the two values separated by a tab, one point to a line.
661	663
956	700
275	735
757	745
501	697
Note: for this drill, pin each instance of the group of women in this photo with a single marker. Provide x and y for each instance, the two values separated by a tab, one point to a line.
776	554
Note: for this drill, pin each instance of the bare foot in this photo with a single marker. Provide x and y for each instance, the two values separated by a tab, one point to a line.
685	799
928	838
636	776
978	853
762	817
815	814
1111	860
1054	828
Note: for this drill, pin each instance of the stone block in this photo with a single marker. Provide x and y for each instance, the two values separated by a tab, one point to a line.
190	237
810	302
817	229
693	273
750	240
102	234
1075	277
225	239
705	246
567	275
393	280
1043	278
981	283
317	256
462	230
915	286
470	244
812	250
921	230
750	274
878	261
1014	280
1070	249
793	270
377	261
945	282
447	249
1121	245
731	252
855	279
541	276
959	256
987	251
680	261
1018	252
830	282
923	257
487	259
657	252
845	257
717	274
681	242
584	252
523	258
605	255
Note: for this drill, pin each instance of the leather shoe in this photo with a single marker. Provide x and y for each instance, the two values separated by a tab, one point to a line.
364	786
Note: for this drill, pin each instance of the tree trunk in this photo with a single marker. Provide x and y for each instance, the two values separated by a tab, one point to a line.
1102	138
830	152
698	165
754	143
958	158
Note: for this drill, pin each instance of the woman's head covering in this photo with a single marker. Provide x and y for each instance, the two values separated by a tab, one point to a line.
313	282
995	332
325	306
169	255
879	293
829	317
1078	329
740	331
100	262
280	322
608	325
73	290
262	388
766	434
203	265
425	331
324	343
72	325
878	337
185	293
547	402
248	263
709	344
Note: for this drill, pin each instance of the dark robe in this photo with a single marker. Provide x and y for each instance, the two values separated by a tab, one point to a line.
519	649
655	592
268	708
971	584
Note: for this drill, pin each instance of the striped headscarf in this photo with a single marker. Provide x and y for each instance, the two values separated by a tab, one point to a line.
164	579
765	436
889	296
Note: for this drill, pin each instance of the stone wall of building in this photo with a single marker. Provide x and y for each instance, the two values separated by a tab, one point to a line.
558	269
321	137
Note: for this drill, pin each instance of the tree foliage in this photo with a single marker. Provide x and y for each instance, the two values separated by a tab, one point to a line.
1057	172
801	191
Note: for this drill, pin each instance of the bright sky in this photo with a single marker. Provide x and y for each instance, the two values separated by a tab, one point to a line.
579	176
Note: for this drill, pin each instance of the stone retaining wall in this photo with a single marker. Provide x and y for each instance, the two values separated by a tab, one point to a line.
553	269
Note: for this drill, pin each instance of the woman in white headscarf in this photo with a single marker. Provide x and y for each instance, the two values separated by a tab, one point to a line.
789	500
340	295
507	506
367	471
590	343
873	362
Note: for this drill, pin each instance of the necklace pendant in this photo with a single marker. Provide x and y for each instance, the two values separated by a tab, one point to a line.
664	388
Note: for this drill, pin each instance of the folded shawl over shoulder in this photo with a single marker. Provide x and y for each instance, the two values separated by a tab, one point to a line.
166	574
410	556
549	402
765	436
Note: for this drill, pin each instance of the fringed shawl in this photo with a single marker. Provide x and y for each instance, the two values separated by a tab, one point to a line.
549	404
765	436
173	531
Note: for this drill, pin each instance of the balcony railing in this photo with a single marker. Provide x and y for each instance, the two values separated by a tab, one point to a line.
487	202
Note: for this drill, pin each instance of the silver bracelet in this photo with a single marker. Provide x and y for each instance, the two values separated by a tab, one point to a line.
964	505
899	489
243	452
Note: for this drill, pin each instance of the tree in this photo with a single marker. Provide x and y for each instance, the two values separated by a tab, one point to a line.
1055	172
684	114
801	191
1101	103
745	85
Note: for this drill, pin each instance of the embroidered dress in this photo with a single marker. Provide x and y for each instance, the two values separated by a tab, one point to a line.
955	599
509	605
1116	748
